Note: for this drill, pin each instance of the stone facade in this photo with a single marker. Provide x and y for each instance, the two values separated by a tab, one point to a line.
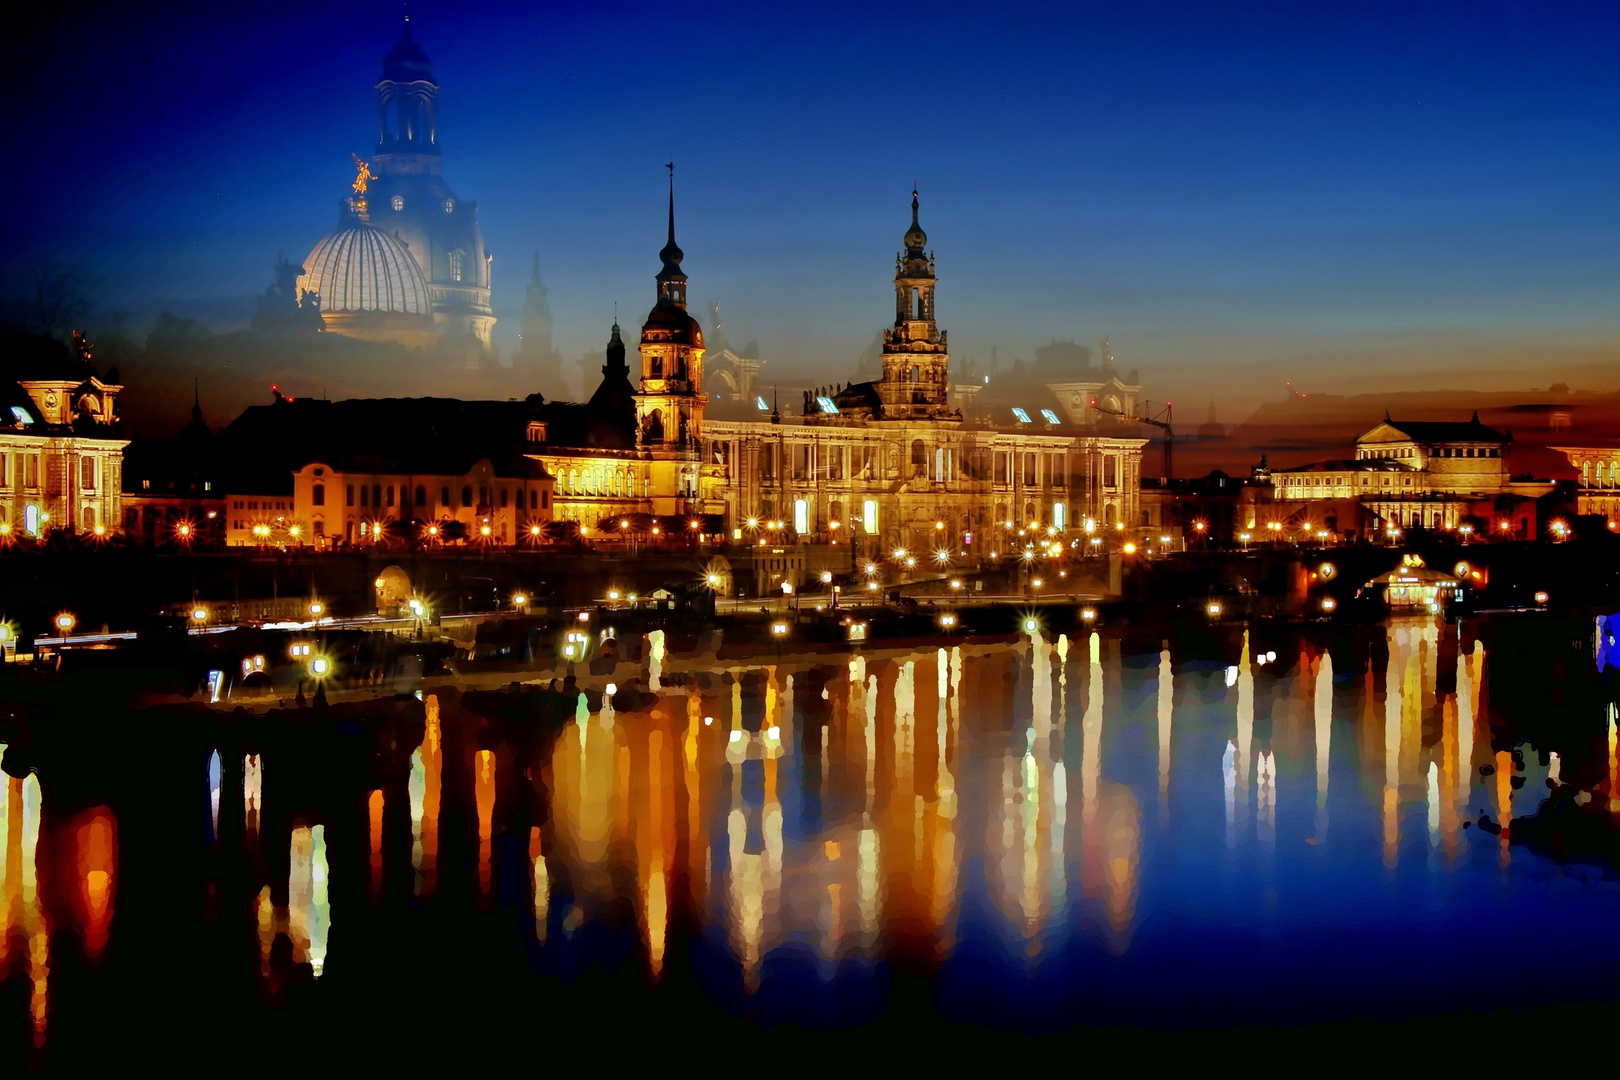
61	454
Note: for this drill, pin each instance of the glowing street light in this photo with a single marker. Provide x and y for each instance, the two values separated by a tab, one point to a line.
199	614
320	667
316	607
1214	609
1328	603
66	621
519	599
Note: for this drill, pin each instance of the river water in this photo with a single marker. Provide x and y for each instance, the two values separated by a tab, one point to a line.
1022	836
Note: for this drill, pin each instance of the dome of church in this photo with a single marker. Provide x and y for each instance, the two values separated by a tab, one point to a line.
362	270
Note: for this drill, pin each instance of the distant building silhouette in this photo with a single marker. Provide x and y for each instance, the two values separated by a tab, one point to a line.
536	360
407	262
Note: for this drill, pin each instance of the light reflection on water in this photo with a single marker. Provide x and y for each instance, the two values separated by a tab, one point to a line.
918	776
1048	819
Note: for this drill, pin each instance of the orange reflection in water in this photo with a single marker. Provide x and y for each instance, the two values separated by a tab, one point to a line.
374	815
426	762
95	835
484	796
21	912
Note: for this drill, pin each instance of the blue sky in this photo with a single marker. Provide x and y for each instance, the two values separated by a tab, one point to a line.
1235	193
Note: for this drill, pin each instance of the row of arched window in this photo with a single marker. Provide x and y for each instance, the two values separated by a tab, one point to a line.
597	480
1600	474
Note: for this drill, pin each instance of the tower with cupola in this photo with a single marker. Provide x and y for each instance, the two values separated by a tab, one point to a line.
916	378
669	400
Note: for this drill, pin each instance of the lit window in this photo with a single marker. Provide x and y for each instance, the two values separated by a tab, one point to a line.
455	266
449	206
827	405
759	403
1059	516
21	415
869	517
1023	417
1051	417
397	202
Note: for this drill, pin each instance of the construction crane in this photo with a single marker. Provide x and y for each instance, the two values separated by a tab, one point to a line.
1159	418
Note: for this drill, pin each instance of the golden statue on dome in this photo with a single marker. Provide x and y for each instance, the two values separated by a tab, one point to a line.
362	181
363	177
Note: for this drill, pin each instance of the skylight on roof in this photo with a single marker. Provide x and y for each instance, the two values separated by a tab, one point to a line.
1051	417
22	415
827	406
1023	417
759	403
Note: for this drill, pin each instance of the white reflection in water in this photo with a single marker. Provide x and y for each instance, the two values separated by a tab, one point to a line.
1166	703
540	883
1266	797
309	910
213	797
252	795
655	659
1323	716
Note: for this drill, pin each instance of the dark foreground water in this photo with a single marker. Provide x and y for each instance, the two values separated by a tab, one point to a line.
1026	837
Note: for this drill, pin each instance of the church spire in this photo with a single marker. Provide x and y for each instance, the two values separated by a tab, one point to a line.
671	279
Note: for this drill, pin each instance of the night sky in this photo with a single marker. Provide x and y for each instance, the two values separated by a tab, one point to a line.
1235	193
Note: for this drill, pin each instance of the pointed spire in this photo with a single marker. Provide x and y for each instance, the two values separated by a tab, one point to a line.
615	353
916	240
672	253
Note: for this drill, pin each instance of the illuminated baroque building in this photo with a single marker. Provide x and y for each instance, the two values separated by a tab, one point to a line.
894	464
890	462
1414	474
407	262
61	450
1598	489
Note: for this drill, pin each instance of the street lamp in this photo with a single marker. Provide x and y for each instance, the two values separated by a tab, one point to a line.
66	621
